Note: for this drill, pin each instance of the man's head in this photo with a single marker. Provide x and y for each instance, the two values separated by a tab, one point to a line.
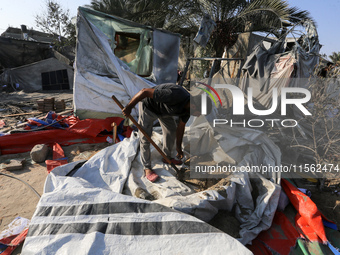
195	105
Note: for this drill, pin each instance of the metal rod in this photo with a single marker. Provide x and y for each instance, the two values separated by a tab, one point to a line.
230	59
212	70
184	74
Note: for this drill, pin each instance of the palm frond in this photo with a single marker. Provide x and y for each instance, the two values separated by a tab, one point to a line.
278	8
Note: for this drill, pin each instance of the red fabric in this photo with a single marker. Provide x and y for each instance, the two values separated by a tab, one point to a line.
258	248
93	127
20	238
58	152
71	120
7	240
127	131
307	210
51	164
13	242
280	237
84	131
306	229
58	158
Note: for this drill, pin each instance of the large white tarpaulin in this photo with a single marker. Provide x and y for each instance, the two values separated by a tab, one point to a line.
91	207
84	212
76	217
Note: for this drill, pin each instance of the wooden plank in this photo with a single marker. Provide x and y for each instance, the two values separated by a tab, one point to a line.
19	114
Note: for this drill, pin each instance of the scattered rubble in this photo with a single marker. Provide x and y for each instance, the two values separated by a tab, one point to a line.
14	164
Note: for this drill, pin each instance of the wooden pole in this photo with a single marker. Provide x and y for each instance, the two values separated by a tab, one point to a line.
20	114
114	125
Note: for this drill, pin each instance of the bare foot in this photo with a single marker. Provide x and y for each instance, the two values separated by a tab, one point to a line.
150	175
147	171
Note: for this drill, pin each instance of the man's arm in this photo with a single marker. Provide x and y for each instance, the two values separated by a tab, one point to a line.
137	98
179	138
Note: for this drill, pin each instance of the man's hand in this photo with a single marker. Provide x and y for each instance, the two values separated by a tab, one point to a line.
137	98
126	111
180	154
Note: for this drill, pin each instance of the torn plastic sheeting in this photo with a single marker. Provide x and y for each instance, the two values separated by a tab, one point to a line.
255	219
9	244
203	205
15	227
110	167
171	192
99	73
84	131
205	30
120	163
250	147
263	151
245	146
200	137
13	235
76	217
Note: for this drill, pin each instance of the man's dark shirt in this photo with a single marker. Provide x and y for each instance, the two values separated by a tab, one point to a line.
169	100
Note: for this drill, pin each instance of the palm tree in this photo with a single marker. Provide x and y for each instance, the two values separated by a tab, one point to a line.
113	7
335	57
155	13
237	16
232	16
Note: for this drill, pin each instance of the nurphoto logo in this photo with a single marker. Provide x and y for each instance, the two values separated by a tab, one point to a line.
238	104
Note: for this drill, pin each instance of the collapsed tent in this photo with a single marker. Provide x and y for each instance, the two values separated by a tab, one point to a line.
269	64
266	69
110	52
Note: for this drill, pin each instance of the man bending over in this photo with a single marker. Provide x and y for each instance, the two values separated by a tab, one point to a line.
162	102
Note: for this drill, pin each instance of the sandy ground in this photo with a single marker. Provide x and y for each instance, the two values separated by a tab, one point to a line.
17	103
17	199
